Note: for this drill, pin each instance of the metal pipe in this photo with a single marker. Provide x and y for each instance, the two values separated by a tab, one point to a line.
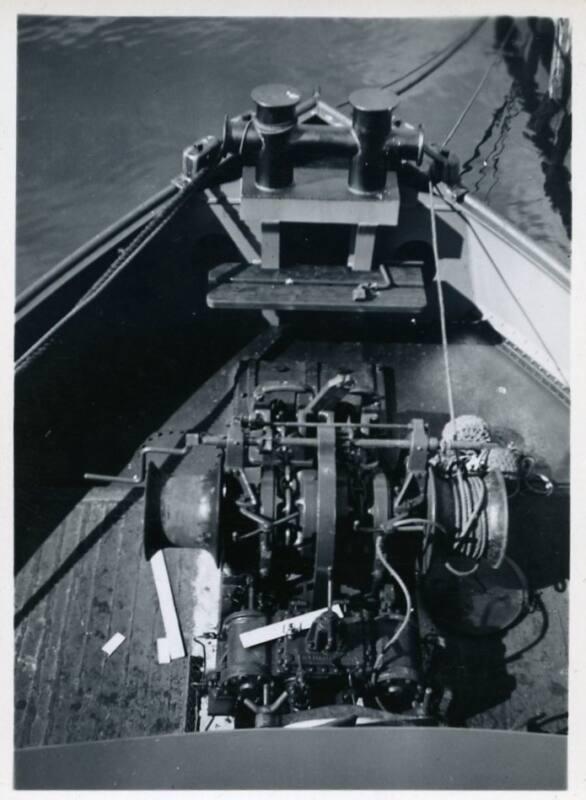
374	443
306	142
306	105
305	441
220	441
243	138
340	424
138	480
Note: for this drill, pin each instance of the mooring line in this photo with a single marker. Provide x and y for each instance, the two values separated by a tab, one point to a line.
476	92
437	60
442	310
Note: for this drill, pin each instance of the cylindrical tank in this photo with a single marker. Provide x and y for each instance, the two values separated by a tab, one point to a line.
243	667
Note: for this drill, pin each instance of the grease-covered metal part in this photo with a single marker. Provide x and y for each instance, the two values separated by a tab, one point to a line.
371	124
275	118
182	509
274	140
242	668
304	486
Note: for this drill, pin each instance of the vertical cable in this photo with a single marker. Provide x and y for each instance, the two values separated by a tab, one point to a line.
440	297
476	92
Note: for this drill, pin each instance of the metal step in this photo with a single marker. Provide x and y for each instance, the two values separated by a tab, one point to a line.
399	290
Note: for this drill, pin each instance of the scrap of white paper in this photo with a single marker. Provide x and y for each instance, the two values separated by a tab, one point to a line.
113	643
163	655
167	606
277	629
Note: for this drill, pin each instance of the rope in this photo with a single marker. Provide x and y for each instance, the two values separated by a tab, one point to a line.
452	51
470	103
392	524
469	496
440	296
100	284
437	59
499	272
405	621
149	206
119	264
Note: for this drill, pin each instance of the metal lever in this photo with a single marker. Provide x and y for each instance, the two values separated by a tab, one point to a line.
326	399
138	480
281	386
266	709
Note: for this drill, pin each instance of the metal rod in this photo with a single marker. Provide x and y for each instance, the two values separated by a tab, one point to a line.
306	105
291	280
245	484
308	424
464	445
139	479
305	441
193	439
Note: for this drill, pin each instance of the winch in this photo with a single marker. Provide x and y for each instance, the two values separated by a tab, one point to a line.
326	517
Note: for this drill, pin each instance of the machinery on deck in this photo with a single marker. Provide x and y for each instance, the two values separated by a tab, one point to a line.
351	537
324	517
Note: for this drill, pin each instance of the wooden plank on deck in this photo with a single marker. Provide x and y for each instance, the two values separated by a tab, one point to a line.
93	580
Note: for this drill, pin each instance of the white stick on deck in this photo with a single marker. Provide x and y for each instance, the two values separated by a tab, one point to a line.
163	656
278	629
113	643
167	606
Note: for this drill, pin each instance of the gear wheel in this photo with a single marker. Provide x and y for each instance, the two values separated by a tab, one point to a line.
468	427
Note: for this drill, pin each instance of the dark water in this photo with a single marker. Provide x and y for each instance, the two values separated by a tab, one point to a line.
105	107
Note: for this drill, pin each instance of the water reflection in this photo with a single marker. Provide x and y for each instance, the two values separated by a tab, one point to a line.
106	105
550	124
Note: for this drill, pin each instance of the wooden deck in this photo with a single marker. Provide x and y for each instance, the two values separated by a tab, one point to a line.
94	582
89	578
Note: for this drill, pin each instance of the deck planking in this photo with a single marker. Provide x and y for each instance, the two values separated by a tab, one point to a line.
67	690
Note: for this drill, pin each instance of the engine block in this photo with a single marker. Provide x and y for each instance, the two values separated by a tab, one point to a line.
325	517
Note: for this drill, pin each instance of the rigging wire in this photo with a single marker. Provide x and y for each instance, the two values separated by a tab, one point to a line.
409	605
450	48
436	60
149	206
152	227
497	56
442	310
499	272
452	51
